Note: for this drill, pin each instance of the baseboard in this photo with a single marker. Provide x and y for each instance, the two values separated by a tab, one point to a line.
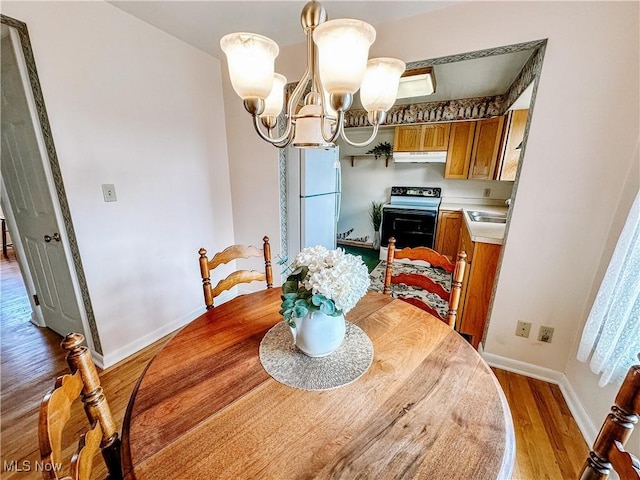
523	368
97	359
112	358
587	428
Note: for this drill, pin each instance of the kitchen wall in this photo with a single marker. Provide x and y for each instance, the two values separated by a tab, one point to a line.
131	105
370	181
584	130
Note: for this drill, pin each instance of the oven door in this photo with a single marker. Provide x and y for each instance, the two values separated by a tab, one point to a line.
411	228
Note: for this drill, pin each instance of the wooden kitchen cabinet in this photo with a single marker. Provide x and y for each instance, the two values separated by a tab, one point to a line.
435	137
448	233
486	147
407	138
514	126
432	137
477	286
459	151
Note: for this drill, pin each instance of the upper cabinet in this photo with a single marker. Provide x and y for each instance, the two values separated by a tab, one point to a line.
515	123
459	151
407	139
432	137
435	137
486	147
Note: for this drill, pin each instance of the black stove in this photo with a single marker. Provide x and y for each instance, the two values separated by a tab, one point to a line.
411	216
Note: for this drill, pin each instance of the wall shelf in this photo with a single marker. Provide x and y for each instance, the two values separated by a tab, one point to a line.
354	243
368	156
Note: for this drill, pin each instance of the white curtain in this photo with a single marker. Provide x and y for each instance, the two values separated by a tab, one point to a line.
611	336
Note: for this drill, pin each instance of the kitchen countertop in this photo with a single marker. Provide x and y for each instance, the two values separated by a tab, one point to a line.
483	232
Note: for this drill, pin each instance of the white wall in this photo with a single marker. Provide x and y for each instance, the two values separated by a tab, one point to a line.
369	180
582	380
133	106
584	129
253	167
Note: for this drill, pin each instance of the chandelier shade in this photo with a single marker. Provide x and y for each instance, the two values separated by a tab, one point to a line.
380	84
251	59
273	103
343	48
337	66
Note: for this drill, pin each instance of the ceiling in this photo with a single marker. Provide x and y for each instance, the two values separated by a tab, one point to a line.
203	23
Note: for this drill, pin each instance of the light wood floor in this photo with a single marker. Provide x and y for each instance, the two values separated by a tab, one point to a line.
549	444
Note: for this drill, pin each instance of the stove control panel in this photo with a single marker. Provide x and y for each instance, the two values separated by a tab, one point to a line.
432	192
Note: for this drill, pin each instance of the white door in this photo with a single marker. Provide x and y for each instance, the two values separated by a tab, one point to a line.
30	198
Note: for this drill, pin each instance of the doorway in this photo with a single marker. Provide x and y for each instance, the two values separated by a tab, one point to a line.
34	200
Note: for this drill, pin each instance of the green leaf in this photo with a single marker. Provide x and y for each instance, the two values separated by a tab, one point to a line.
328	308
289	296
300	311
290	286
287	304
301	303
304	293
318	299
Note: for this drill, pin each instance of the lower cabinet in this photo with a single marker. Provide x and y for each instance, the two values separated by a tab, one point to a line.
448	233
477	287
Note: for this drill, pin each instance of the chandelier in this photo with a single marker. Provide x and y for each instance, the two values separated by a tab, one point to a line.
337	67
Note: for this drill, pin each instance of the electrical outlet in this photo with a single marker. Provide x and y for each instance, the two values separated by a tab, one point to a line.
523	329
109	192
487	193
545	334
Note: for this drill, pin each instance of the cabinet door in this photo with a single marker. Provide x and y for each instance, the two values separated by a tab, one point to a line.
407	139
459	151
465	245
486	146
435	137
511	153
448	233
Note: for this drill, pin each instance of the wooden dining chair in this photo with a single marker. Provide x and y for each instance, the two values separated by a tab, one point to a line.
55	411
423	282
608	449
234	252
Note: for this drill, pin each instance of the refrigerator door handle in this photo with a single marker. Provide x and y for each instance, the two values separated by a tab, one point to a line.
339	202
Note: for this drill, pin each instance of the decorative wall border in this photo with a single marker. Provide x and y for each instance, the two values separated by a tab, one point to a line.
444	111
526	76
34	80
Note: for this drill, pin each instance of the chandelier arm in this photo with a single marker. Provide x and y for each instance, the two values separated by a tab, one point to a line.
361	144
281	141
295	97
339	125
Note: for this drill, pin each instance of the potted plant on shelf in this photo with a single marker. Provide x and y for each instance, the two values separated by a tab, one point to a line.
376	219
383	149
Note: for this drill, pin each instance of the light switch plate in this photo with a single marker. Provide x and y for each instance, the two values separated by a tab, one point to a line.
109	192
523	329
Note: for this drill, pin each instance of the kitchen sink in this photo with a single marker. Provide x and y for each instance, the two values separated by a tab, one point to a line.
487	217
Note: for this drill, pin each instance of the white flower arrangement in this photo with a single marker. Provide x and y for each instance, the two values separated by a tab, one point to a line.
331	281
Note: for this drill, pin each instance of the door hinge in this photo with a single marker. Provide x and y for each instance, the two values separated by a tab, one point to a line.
35	299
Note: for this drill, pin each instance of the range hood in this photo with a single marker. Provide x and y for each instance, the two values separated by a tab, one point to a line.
420	157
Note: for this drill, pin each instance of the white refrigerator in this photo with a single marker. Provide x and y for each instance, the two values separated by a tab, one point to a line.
313	186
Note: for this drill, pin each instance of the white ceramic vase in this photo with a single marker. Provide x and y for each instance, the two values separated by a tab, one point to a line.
317	334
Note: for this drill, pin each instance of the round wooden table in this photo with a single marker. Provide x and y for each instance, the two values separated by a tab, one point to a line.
429	406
